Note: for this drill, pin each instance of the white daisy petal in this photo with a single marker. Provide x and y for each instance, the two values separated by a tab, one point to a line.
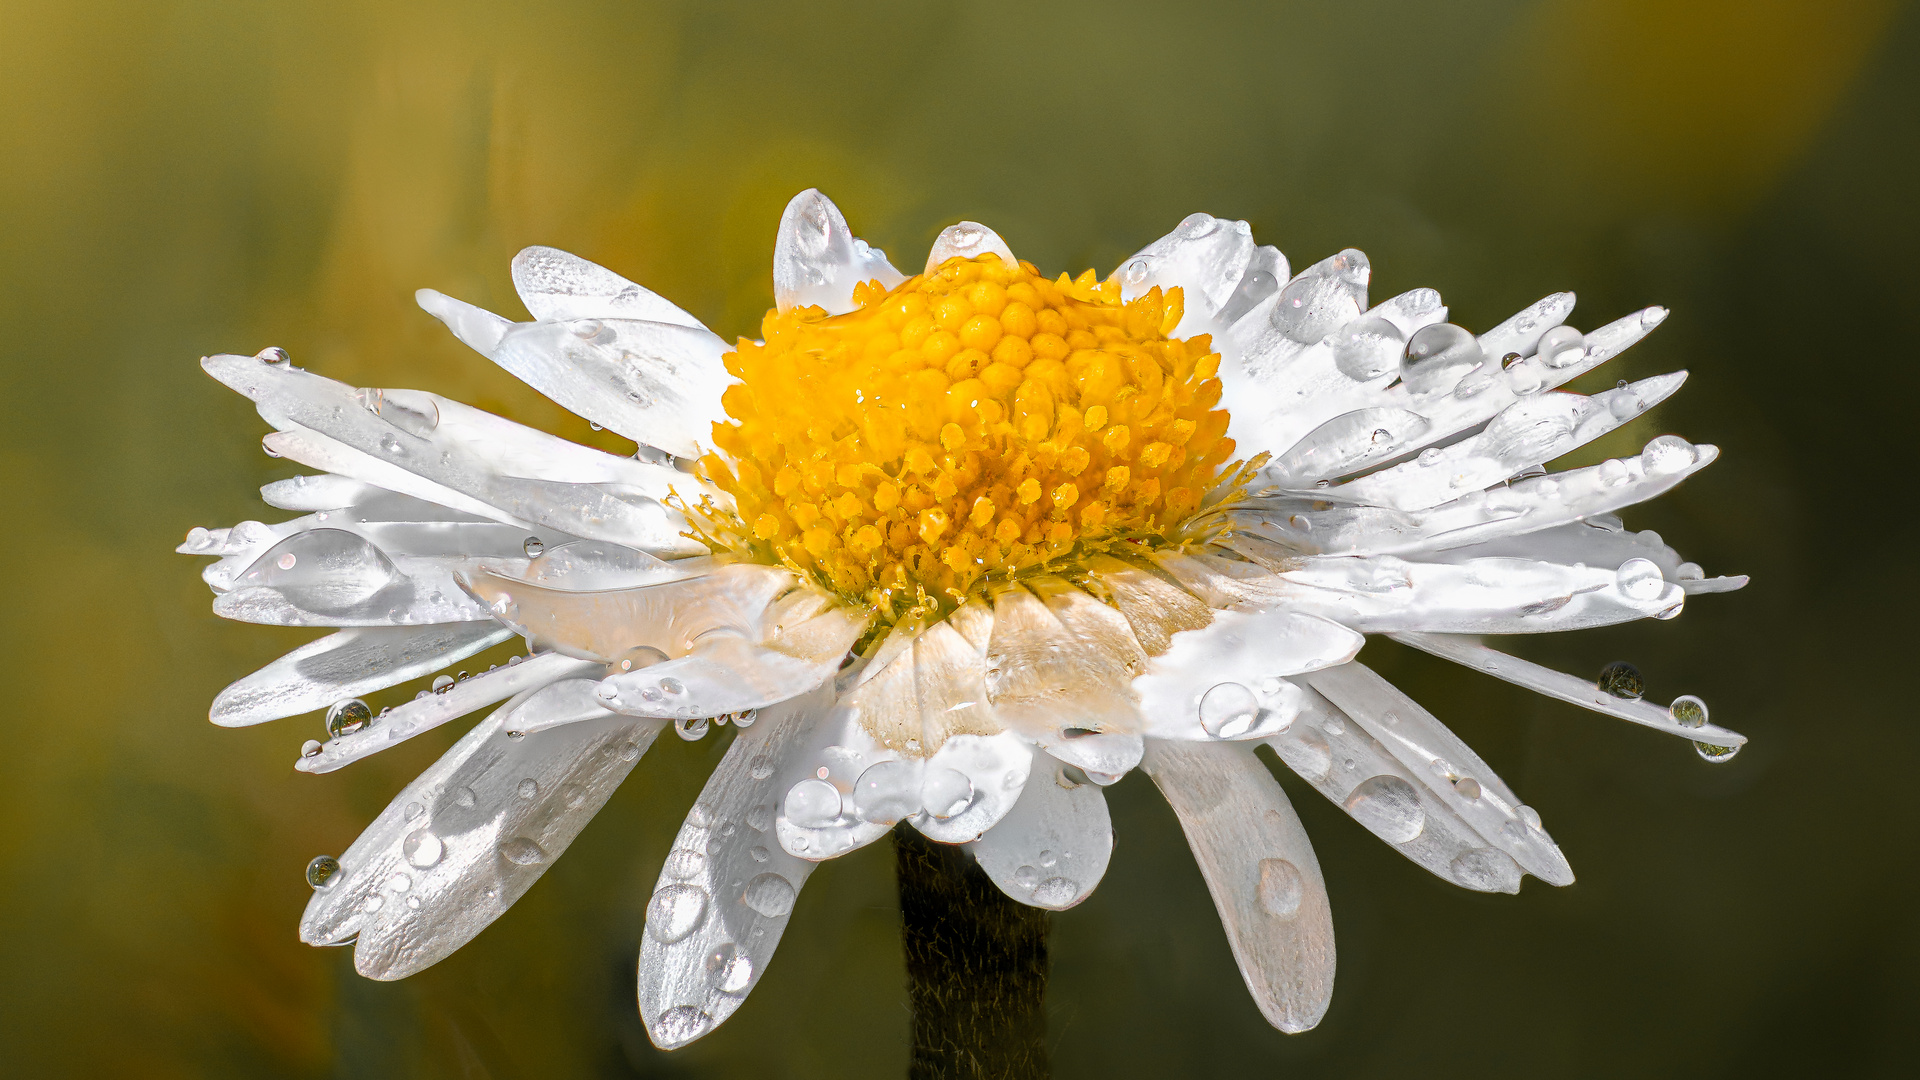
332	577
1224	681
656	383
1058	671
1343	762
967	240
1052	848
727	889
1204	256
1347	443
568	701
817	260
1261	870
312	449
557	285
324	492
348	664
470	695
1530	432
604	625
1521	332
1600	540
1155	609
1445	764
1497	596
1543	680
460	844
476	327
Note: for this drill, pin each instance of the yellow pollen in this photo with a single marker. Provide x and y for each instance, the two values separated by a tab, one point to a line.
980	420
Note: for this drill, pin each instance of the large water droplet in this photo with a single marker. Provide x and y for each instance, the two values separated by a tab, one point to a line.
1622	680
1368	348
886	792
1486	870
770	895
1229	710
1613	472
533	547
1437	356
347	717
422	848
692	728
945	792
272	354
676	911
1280	888
684	863
1389	808
1639	579
1026	877
1561	347
311	748
523	852
399	883
1688	711
730	969
1715	754
680	1024
1056	892
813	803
442	683
322	870
1468	787
1667	454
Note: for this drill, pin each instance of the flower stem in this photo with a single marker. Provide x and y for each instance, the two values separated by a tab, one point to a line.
976	968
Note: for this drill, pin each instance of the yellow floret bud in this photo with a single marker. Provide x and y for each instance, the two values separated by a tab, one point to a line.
1029	490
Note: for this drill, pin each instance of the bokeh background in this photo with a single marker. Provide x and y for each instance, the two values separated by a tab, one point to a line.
181	177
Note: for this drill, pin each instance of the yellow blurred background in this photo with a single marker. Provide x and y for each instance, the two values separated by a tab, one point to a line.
195	176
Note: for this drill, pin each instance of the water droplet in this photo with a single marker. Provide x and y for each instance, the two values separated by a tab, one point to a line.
730	969
422	848
286	560
1529	815
672	686
760	854
1389	808
373	903
1562	346
886	792
770	895
1026	877
533	547
692	729
1613	472
745	718
412	810
1437	357
1368	348
1486	870
629	751
1056	892
1639	579
311	748
1280	888
322	870
1468	787
413	903
945	792
1622	680
527	788
760	767
1715	755
442	683
573	795
392	445
1430	456
1229	710
1048	859
347	717
1688	711
676	911
272	354
399	883
1652	317
813	804
523	852
684	863
680	1024
1668	454
586	329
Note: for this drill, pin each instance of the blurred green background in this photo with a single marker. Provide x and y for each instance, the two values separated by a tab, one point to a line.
181	177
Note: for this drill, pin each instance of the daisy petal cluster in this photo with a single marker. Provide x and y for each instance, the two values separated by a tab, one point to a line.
958	549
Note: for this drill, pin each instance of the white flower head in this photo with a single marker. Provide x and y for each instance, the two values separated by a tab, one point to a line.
958	550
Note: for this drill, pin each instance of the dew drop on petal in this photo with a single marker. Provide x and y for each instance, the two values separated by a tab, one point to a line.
1280	888
311	748
1688	711
422	848
760	854
945	792
1437	356
1715	755
812	803
413	903
1228	710
1468	787
1389	808
1561	347
1486	870
730	969
680	1024
573	796
527	788
399	883
272	354
1367	348
1026	877
760	817
1529	815
1056	891
286	560
1613	472
692	729
629	751
1667	455
769	894
321	871
760	767
348	716
1639	579
886	792
1622	680
533	546
676	911
521	851
373	903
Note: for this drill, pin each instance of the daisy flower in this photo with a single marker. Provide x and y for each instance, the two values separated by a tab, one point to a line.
957	549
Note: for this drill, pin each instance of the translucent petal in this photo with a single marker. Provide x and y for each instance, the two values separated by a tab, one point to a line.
1154	608
967	240
1224	681
1052	848
557	285
657	383
1532	431
1261	870
603	625
476	327
460	844
595	566
348	664
1523	506
1344	763
1445	765
1468	652
995	768
727	889
410	438
1058	671
817	260
324	492
1204	256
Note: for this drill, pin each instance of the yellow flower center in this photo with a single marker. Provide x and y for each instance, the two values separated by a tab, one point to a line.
980	420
